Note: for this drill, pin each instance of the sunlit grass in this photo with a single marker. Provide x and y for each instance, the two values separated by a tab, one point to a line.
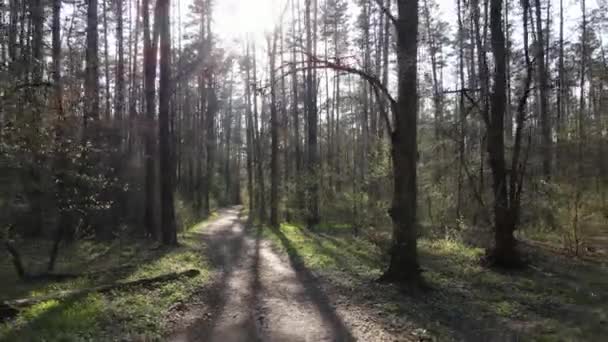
565	305
330	248
134	314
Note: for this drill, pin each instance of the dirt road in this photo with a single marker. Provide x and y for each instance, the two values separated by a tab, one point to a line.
256	295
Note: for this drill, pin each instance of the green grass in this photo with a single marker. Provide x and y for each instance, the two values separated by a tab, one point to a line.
330	248
558	298
132	315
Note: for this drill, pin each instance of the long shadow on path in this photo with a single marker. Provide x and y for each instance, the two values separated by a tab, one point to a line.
258	296
338	330
224	241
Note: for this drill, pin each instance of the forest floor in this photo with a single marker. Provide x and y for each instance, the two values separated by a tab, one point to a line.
291	284
136	314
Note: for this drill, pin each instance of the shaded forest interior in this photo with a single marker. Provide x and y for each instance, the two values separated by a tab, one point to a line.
422	155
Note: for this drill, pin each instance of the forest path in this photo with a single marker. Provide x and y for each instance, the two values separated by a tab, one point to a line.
256	295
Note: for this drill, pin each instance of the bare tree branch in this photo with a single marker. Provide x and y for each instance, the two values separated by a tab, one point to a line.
376	84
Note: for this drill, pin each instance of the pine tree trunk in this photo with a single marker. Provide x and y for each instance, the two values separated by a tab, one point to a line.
560	91
581	109
228	130
299	195
120	67
211	110
168	226
150	222
91	87
504	252
106	60
61	161
403	267
250	136
545	120
274	131
462	112
312	161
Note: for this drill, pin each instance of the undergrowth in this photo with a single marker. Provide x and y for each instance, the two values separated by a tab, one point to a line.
134	314
557	298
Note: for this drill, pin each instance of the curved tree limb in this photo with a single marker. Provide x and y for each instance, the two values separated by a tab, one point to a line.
379	88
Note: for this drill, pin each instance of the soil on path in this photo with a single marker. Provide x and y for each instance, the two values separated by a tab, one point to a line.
256	294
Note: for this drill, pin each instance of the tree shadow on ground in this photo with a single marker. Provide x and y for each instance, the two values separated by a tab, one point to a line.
310	283
469	302
224	251
240	250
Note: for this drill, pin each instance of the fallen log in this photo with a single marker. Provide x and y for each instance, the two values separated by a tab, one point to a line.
10	308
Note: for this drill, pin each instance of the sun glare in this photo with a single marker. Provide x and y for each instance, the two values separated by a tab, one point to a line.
237	18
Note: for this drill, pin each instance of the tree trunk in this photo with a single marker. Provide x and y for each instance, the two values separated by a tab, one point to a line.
37	17
210	113
504	252
106	60
210	144
274	131
228	131
148	130
91	87
462	112
258	158
545	120
403	267
61	161
168	226
311	99
581	109
561	90
250	136
120	67
296	121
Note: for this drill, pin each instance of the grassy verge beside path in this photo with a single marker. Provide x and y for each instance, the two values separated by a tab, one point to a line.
556	299
133	314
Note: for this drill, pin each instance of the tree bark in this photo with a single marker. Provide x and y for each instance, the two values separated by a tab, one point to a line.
561	90
120	67
274	131
312	218
91	87
545	120
250	135
106	60
168	225
504	253
296	121
148	130
403	266
581	109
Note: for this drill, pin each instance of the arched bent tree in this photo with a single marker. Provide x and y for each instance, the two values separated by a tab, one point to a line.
402	125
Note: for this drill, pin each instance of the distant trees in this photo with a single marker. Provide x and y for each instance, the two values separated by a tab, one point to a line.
376	113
